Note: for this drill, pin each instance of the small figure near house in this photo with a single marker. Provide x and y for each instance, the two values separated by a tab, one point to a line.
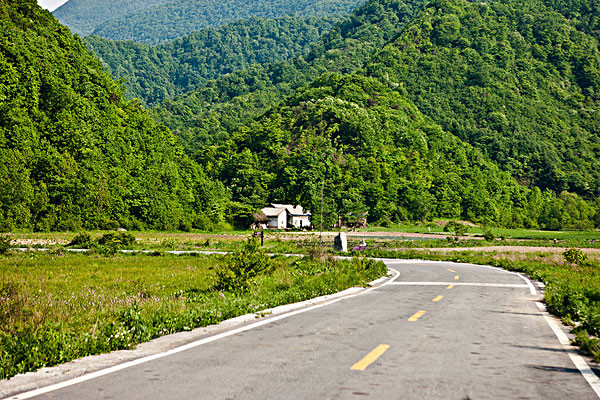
340	243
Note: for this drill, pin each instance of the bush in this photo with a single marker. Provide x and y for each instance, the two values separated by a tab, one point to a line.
489	236
574	256
81	240
4	244
242	266
117	239
455	227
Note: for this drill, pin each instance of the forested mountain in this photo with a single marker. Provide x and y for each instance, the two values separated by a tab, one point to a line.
584	14
155	73
74	153
84	16
208	115
404	111
515	79
510	78
177	18
372	150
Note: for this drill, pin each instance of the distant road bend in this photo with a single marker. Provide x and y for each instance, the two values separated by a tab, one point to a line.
433	331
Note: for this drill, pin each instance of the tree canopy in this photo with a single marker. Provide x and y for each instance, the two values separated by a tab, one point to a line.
156	73
176	18
75	153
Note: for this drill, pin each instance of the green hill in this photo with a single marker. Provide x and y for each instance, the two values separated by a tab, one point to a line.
84	16
208	114
468	67
515	79
154	73
177	18
369	150
74	152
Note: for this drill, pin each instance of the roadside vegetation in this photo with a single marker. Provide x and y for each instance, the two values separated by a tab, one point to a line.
57	306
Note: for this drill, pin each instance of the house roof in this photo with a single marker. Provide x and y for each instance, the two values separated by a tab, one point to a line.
294	211
273	212
260	217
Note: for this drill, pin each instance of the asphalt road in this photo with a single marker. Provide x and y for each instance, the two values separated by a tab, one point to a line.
415	338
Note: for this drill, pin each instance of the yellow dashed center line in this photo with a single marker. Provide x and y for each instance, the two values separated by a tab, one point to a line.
456	277
438	298
451	270
450	287
370	358
416	316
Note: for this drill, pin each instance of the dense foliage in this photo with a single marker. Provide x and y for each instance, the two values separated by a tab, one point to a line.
515	79
155	73
369	151
209	114
84	16
177	18
585	14
74	152
526	105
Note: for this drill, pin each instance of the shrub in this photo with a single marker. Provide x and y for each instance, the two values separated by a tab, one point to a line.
455	227
4	244
242	266
81	240
489	236
574	256
117	239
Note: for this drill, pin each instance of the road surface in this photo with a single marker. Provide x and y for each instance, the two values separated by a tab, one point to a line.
438	331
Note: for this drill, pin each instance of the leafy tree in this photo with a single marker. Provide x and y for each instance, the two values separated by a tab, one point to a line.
75	154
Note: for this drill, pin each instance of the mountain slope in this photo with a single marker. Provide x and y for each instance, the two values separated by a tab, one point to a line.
84	16
517	80
177	18
372	152
207	115
74	152
154	73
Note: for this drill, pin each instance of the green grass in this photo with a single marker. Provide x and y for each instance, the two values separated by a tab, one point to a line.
55	308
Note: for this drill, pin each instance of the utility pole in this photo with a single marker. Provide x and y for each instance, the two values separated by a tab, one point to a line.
321	230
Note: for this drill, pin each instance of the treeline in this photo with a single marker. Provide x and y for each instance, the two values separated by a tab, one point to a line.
177	18
74	153
156	73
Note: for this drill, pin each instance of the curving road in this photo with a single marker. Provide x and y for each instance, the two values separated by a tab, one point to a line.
434	331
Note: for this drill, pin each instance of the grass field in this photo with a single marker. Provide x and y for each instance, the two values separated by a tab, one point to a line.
55	307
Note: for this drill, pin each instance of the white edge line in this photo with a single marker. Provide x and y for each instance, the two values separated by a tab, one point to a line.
417	261
116	368
577	360
482	284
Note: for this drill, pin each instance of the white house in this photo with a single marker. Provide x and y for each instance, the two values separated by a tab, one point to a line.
277	217
283	216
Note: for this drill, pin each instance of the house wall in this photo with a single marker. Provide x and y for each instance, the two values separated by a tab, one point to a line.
278	222
302	221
